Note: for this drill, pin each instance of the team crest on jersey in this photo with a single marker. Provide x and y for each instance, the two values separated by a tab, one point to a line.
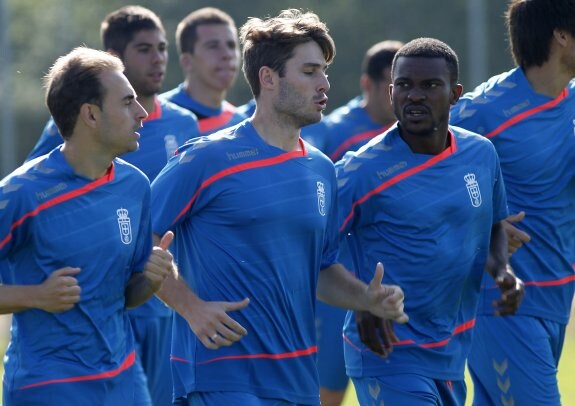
171	144
321	198
473	189
125	226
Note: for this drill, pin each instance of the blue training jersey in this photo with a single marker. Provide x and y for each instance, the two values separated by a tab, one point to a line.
210	119
534	136
163	131
428	219
50	218
345	129
250	220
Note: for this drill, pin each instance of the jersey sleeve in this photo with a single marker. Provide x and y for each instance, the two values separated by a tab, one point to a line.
144	243
330	252
49	139
14	213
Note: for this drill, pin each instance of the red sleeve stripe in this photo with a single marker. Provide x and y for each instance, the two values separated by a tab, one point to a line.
241	168
356	139
60	199
525	114
557	282
128	362
396	179
293	354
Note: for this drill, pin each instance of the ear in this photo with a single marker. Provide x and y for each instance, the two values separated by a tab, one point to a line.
268	78
186	61
364	83
89	115
561	37
456	94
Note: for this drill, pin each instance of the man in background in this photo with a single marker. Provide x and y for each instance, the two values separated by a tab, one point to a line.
207	42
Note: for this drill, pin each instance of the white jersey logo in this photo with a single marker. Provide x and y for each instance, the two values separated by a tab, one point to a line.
321	198
125	226
171	145
473	189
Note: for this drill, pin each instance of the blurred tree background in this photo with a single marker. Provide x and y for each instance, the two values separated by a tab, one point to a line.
33	33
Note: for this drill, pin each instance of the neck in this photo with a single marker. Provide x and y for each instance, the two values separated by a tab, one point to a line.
275	131
549	79
203	94
83	160
430	144
148	103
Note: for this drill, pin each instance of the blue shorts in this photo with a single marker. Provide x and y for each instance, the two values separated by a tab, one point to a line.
515	358
115	391
409	390
330	360
228	398
153	336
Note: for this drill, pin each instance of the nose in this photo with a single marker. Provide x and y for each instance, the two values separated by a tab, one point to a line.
141	112
324	85
416	94
160	56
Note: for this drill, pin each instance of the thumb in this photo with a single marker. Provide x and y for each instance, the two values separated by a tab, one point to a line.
231	306
515	218
166	240
378	276
67	271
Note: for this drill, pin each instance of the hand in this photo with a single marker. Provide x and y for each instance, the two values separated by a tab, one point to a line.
385	301
512	292
515	237
160	264
376	333
60	292
213	326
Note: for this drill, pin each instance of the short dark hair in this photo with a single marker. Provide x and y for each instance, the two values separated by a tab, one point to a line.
378	57
187	30
73	80
119	27
271	42
430	48
530	25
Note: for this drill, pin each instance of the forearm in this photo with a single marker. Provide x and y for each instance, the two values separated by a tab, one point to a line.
338	287
497	259
16	298
138	290
175	293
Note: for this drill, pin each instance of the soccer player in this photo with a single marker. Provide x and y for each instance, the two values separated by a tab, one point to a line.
253	208
348	128
207	42
428	199
136	35
75	244
528	113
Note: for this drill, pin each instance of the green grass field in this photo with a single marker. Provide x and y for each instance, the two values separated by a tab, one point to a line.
566	370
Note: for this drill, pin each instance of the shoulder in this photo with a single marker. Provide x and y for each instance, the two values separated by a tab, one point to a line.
172	110
124	169
496	95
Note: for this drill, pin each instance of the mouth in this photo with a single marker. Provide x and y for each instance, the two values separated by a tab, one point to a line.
321	103
415	111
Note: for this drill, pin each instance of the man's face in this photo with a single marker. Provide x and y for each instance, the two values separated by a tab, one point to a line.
145	59
120	116
422	94
215	60
302	91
